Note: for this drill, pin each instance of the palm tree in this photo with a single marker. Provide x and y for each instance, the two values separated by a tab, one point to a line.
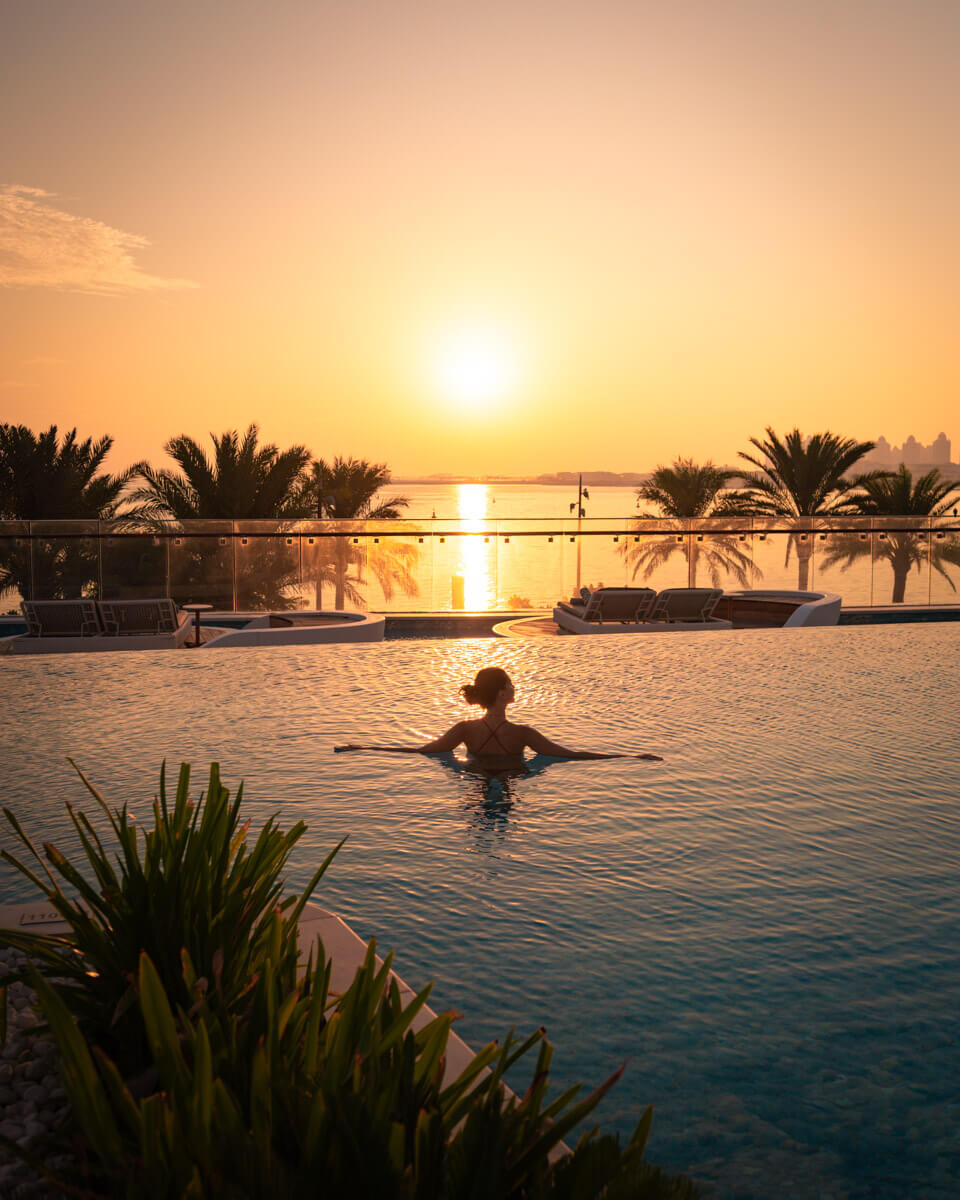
347	490
46	478
683	492
799	477
242	481
897	494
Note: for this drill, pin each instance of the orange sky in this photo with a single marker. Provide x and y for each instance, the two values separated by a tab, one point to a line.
657	227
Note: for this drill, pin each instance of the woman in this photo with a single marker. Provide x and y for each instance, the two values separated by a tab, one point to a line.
492	736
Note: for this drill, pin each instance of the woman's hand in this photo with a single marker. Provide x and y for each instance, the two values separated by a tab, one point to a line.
651	757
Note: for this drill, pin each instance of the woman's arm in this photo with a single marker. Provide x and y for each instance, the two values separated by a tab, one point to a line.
447	741
542	745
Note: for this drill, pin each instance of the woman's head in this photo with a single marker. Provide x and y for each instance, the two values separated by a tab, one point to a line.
486	688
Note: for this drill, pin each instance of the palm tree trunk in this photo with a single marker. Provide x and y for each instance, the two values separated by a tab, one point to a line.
691	561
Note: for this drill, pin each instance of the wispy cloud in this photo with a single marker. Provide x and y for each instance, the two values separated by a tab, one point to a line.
43	246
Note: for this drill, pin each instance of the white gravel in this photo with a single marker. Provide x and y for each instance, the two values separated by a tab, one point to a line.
33	1104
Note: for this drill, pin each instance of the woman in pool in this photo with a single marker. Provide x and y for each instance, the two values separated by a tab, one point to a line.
492	736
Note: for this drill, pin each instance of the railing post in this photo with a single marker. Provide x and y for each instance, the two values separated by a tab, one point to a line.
929	561
99	559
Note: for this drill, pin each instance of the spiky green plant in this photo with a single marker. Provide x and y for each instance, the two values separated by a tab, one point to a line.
189	891
309	1097
255	1080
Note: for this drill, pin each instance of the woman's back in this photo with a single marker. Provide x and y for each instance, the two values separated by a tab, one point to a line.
491	739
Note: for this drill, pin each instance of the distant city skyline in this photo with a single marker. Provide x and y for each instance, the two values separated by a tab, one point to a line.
911	453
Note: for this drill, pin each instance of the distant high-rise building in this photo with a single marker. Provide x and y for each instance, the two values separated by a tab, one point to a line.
911	453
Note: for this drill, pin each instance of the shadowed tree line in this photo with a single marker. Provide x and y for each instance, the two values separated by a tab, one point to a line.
45	477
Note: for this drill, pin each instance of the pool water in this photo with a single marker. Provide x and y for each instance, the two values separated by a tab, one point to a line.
766	925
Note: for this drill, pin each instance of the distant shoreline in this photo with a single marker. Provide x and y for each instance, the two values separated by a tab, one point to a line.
949	470
590	479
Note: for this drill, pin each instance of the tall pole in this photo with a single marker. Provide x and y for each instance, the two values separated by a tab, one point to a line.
319	600
579	524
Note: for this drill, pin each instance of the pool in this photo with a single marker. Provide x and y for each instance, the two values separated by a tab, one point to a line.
767	924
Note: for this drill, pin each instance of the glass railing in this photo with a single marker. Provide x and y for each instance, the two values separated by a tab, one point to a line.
481	565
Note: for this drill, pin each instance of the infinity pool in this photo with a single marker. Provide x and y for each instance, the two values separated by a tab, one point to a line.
767	924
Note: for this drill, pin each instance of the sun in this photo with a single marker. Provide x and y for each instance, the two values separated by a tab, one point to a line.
474	366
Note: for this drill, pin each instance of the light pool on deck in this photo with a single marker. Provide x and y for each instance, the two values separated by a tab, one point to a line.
767	924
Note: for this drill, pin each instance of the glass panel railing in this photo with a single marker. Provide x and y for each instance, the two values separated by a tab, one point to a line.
66	559
475	563
843	558
944	561
134	565
268	567
16	570
901	560
203	563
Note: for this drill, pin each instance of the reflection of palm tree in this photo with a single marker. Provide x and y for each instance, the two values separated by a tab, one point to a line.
344	491
244	481
683	492
43	478
799	477
898	495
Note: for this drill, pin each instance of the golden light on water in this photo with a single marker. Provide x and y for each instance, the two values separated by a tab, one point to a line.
478	591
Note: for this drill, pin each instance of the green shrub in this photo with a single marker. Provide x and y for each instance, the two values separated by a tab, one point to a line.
306	1099
189	891
250	1081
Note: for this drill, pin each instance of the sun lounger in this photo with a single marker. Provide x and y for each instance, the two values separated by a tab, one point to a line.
65	626
685	604
612	604
61	618
141	617
641	610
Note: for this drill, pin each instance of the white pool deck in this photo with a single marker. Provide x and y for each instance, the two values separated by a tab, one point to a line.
343	946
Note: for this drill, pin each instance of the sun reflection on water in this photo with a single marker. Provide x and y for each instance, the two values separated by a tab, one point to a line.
478	583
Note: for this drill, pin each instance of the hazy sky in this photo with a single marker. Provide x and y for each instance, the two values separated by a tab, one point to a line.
505	237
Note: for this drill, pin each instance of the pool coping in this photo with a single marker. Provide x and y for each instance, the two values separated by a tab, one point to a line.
345	949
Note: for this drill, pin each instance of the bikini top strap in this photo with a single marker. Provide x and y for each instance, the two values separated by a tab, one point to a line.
491	735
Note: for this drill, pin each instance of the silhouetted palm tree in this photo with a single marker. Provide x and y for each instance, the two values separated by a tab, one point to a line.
347	490
799	477
683	492
897	494
242	482
44	478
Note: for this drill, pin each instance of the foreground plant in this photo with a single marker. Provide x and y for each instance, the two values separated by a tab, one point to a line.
312	1097
190	890
251	1080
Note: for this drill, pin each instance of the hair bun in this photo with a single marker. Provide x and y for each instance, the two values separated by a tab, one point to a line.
486	687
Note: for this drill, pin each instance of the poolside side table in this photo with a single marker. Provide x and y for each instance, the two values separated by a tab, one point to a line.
196	609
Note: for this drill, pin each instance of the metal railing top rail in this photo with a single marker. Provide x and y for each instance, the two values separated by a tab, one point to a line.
449	527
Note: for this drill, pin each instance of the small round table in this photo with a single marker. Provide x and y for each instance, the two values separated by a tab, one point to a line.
196	609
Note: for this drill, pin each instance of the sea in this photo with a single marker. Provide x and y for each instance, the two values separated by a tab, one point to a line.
505	501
